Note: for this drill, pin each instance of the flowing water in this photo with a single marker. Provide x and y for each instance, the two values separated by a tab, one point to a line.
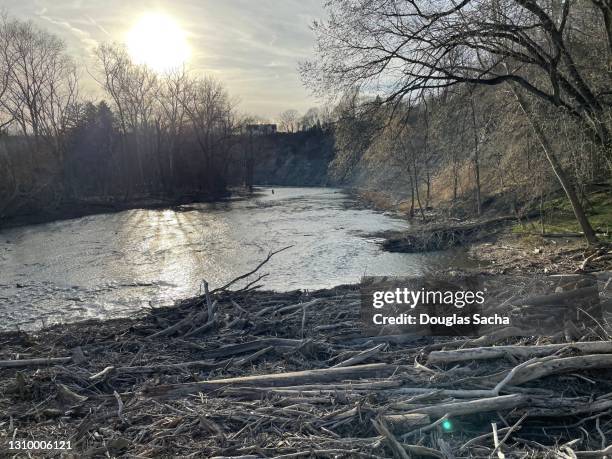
112	265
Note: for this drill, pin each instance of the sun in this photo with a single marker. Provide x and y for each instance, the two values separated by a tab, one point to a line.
157	41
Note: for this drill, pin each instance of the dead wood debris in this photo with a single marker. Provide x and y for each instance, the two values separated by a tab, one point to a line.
273	378
442	236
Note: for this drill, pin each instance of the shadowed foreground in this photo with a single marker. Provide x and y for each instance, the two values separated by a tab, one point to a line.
254	374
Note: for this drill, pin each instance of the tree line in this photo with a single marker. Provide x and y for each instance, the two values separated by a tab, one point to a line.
153	134
322	118
470	98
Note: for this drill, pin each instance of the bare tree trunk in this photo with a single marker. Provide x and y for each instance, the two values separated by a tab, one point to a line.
476	159
543	228
455	181
428	195
426	155
416	188
411	194
557	168
250	164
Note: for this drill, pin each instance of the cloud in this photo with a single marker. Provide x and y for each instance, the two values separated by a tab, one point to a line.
84	37
253	46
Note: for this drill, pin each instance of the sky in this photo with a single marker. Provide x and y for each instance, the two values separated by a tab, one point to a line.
253	46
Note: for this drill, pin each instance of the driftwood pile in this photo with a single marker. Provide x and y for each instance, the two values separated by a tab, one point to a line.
250	374
596	259
442	236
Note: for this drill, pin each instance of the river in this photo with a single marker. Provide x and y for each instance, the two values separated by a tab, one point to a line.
113	265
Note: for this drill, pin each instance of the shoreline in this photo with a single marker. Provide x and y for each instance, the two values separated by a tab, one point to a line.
72	210
491	240
96	207
493	244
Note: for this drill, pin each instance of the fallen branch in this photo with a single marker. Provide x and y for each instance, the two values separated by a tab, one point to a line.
34	362
244	276
500	403
495	352
234	349
375	370
396	447
361	356
541	369
190	320
406	421
598	453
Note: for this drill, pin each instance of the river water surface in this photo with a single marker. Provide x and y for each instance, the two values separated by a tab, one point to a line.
111	265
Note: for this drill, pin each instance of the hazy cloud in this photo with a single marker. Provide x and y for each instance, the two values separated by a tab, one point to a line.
253	46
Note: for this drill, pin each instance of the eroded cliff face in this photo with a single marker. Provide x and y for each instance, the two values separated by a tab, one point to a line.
299	159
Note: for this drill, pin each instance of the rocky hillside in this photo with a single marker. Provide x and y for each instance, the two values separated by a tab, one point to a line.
299	159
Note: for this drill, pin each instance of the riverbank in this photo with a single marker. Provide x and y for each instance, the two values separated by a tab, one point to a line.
515	253
499	249
253	374
503	243
94	206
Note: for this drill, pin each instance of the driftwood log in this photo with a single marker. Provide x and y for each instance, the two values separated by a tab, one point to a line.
498	352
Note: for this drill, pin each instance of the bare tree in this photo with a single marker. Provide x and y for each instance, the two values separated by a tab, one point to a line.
479	131
402	47
354	133
6	65
133	89
558	170
312	118
209	110
40	86
289	120
114	62
170	122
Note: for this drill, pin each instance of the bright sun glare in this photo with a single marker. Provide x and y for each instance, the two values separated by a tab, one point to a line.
158	41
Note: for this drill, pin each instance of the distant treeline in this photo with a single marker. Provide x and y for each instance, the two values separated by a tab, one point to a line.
158	135
170	137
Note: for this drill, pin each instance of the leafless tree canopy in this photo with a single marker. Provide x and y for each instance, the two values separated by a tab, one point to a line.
169	133
289	120
38	85
559	51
